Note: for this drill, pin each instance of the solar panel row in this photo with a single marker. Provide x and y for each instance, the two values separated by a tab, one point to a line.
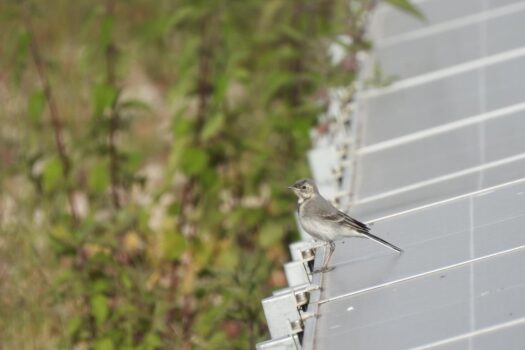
438	163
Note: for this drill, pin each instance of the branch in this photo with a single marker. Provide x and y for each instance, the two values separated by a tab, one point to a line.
55	116
204	90
111	55
204	87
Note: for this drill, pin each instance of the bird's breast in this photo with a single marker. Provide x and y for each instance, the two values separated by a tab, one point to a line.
317	228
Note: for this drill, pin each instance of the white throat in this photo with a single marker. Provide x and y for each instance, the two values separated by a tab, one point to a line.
301	200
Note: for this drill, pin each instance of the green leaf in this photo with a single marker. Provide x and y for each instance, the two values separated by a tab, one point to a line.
104	96
21	55
407	6
151	342
193	161
227	260
61	233
98	179
35	106
174	244
52	175
132	160
126	281
182	128
73	326
271	234
99	286
134	104
23	41
104	344
207	319
212	127
293	33
99	308
204	253
106	31
184	13
62	240
221	85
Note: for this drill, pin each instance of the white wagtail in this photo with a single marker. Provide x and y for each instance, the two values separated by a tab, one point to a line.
319	218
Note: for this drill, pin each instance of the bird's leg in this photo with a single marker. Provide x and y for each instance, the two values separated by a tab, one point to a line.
323	265
326	260
332	249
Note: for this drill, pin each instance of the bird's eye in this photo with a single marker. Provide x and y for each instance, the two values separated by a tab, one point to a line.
303	187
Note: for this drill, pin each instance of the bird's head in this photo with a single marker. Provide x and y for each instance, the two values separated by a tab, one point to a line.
304	189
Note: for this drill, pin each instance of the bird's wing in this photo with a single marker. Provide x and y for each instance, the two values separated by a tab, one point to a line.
332	214
358	226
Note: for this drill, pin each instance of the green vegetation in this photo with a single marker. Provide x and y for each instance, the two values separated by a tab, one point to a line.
145	151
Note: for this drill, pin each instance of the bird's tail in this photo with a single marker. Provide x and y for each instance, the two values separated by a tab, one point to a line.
382	241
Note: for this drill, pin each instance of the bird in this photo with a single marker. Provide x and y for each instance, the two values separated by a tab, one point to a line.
324	222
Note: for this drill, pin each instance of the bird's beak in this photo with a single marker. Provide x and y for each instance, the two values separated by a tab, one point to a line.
294	189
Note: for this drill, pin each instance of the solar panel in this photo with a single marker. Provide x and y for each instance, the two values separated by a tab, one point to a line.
427	309
465	40
438	164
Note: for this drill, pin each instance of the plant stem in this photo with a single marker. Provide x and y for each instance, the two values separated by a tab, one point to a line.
204	90
55	116
111	56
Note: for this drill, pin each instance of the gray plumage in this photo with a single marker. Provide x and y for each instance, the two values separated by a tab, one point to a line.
320	219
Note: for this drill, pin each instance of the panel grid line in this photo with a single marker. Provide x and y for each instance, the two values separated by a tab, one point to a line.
442	178
472	319
494	114
478	332
419	275
447	72
450	25
466	195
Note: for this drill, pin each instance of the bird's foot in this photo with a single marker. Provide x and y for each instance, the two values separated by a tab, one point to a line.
323	269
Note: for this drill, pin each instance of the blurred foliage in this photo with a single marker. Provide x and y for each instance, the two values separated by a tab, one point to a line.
145	150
